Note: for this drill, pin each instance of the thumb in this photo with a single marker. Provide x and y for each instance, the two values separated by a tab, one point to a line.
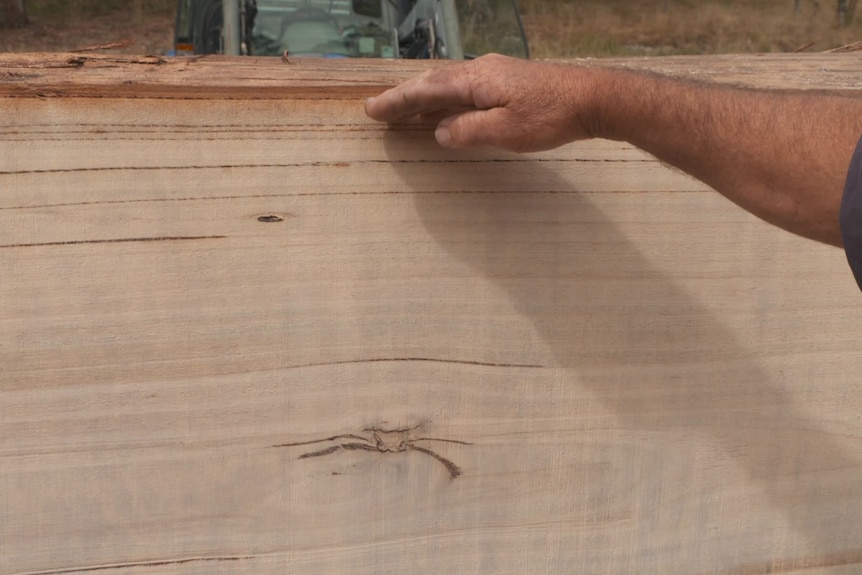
476	128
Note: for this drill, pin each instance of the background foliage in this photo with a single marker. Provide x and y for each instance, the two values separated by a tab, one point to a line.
556	28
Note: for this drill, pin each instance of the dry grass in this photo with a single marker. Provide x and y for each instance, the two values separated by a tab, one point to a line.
556	28
630	28
151	35
60	25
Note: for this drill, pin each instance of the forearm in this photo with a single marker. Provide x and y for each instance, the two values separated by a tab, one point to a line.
780	155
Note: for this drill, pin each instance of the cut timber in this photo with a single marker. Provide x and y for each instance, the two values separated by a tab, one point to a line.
245	329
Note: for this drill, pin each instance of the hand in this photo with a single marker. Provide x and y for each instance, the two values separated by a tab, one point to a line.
496	101
781	155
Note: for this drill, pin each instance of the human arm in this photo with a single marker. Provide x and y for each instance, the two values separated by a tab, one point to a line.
780	155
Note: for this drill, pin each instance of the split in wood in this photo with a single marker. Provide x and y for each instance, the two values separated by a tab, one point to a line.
383	441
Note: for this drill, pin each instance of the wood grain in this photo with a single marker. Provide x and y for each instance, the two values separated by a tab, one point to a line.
225	78
233	308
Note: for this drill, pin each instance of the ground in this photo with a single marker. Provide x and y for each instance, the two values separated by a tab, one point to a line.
659	27
555	28
152	34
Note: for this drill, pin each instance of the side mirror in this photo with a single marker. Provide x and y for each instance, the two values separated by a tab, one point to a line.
368	8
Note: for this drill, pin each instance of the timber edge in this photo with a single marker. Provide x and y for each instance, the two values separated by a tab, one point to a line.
46	75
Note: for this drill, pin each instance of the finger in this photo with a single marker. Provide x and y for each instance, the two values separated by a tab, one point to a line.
434	118
431	92
478	128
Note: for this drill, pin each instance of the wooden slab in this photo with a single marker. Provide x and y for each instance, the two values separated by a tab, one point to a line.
244	329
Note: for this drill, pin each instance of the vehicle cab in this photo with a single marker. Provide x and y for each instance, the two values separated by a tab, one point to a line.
350	28
323	28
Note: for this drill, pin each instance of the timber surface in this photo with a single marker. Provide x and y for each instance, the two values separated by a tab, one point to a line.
224	78
244	329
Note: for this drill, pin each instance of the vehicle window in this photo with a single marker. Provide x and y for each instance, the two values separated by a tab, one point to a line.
370	8
320	28
182	23
492	26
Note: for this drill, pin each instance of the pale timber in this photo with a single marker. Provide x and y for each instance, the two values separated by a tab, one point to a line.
204	261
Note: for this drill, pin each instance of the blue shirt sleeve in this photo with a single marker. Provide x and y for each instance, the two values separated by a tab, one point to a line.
851	215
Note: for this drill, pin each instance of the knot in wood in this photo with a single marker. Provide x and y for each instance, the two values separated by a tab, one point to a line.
390	441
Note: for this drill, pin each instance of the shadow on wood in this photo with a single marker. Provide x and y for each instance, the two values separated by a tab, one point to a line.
647	352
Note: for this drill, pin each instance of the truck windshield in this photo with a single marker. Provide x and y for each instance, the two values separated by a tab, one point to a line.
319	28
492	26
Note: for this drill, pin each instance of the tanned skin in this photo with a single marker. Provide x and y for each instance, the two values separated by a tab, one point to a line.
781	155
